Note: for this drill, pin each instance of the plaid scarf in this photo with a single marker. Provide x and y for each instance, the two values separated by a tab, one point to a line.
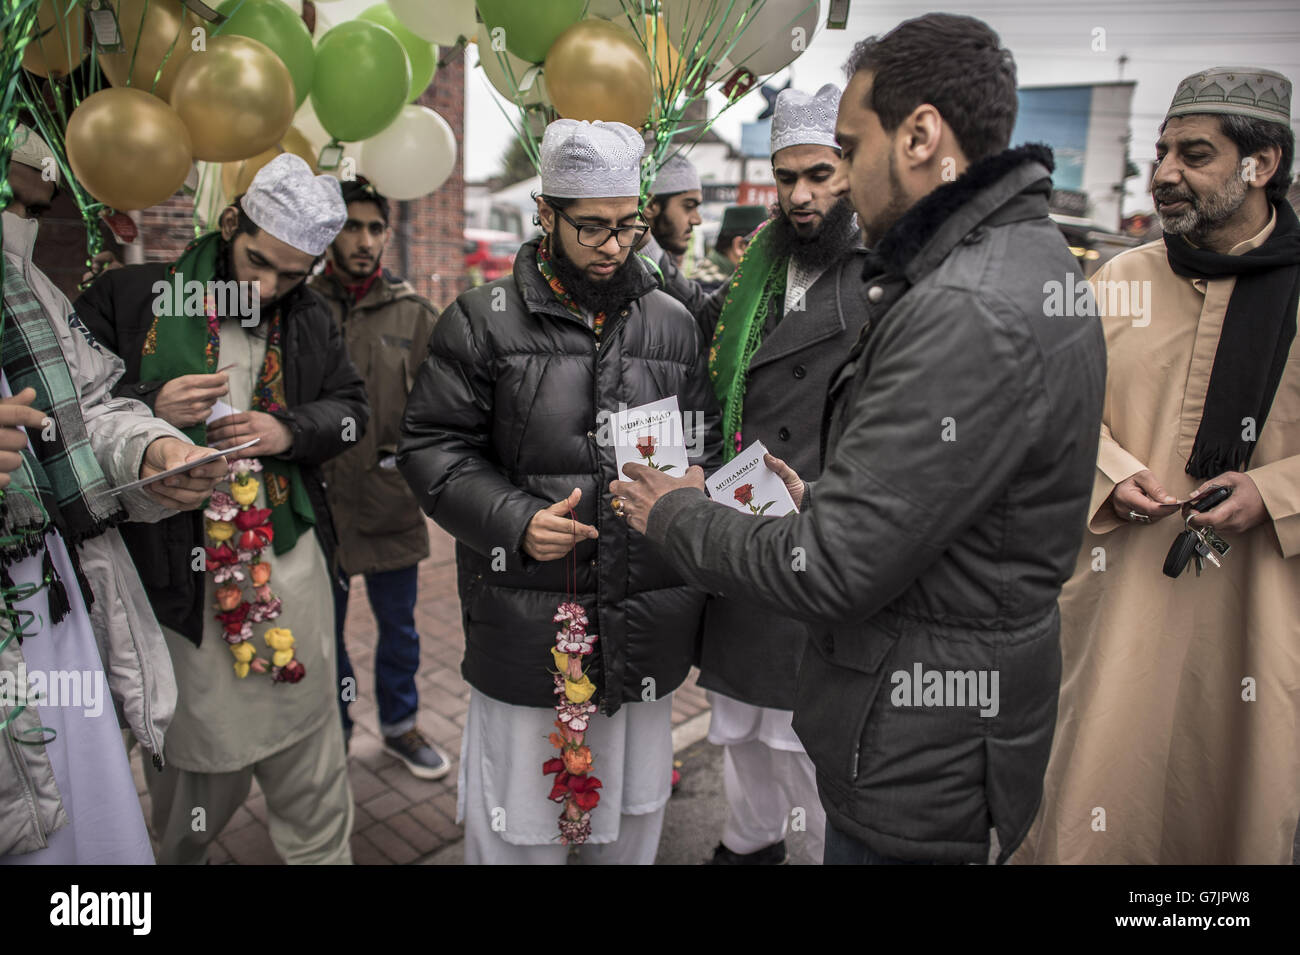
59	482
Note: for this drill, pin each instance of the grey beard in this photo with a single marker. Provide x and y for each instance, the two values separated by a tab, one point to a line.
1205	214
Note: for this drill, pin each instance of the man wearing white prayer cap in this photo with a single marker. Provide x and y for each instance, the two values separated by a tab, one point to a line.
784	321
673	209
507	443
228	344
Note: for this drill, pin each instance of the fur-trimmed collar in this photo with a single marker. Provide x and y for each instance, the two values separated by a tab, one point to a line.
909	235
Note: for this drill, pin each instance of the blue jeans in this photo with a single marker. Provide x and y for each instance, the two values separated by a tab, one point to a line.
844	849
392	596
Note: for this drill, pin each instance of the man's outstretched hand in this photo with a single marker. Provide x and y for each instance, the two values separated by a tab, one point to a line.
181	492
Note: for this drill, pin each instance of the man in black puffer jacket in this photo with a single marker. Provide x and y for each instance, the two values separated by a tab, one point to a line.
504	435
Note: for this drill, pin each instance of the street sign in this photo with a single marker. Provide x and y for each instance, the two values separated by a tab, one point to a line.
756	194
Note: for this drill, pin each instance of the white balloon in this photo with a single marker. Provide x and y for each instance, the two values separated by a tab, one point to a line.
490	60
412	157
777	35
438	21
766	42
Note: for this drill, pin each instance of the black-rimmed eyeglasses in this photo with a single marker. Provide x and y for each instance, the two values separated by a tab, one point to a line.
594	236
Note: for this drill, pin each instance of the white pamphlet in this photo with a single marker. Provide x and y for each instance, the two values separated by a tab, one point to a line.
651	435
747	484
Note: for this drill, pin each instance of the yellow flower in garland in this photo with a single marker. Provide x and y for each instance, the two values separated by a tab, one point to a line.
279	638
244	652
220	530
245	492
241	669
579	691
561	660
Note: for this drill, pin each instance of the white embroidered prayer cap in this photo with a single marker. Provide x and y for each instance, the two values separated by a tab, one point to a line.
582	160
803	120
295	205
677	174
31	150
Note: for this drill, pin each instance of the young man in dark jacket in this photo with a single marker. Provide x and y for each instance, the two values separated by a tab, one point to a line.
382	532
960	442
255	337
506	443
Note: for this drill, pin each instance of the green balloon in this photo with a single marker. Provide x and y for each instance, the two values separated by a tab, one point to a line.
420	53
273	23
531	26
361	82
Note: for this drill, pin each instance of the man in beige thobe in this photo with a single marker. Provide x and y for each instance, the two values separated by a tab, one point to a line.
1178	735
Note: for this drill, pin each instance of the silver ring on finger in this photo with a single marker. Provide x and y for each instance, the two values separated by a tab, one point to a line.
1138	518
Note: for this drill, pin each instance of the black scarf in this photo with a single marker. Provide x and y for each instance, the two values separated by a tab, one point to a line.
1253	346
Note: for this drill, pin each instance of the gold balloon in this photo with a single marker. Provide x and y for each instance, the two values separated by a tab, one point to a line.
128	149
668	62
165	26
236	98
59	51
598	71
236	177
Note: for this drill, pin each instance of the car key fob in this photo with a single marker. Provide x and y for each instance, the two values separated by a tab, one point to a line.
1212	498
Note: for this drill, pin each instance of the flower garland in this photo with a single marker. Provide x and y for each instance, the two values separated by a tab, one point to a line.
575	787
231	517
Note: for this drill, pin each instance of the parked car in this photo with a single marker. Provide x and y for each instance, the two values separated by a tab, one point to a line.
489	254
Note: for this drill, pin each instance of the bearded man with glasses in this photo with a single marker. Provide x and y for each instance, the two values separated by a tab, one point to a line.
505	443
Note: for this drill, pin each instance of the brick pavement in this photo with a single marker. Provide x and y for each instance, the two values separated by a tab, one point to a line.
400	820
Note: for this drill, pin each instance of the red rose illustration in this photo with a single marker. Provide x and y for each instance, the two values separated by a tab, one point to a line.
646	445
745	493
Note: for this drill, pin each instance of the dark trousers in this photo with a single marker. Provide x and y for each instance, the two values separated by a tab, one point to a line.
392	596
844	849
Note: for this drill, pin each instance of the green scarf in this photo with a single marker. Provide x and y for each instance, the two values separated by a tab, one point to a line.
758	280
188	345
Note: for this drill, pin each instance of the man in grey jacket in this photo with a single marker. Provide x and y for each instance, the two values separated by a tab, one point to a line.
959	449
66	580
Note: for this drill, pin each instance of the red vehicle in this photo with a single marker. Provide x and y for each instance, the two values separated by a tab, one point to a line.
489	254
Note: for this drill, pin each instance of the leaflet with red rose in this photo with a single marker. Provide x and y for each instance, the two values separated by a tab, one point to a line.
651	435
748	485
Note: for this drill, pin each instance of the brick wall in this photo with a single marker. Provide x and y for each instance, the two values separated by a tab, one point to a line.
435	225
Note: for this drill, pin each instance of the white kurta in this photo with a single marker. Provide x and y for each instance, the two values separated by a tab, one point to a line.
105	824
224	723
504	747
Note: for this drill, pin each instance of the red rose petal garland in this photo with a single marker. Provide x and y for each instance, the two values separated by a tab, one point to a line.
239	532
574	786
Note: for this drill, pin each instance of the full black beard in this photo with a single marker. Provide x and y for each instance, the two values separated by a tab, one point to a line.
836	237
606	296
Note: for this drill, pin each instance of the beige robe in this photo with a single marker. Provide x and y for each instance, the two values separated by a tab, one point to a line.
1158	739
224	723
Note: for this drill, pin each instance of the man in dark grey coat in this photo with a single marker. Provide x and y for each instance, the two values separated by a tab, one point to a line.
960	443
779	329
505	444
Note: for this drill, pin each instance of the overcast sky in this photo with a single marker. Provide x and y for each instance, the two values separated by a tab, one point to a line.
1164	41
